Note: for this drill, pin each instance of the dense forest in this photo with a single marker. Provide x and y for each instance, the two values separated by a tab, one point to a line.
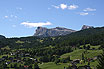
93	36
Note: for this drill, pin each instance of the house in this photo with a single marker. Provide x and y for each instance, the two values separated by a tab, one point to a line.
13	54
36	60
7	63
76	61
2	59
26	67
27	54
18	61
95	58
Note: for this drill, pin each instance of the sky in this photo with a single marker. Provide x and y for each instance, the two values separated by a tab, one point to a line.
20	18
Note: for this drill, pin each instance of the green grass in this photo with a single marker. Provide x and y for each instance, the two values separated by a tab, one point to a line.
77	54
92	64
74	55
93	53
7	48
19	42
91	47
52	65
96	47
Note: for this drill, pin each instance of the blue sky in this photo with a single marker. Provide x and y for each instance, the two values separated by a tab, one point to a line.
21	17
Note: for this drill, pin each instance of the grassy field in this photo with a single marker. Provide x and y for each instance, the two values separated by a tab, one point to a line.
91	47
52	65
74	55
77	54
92	64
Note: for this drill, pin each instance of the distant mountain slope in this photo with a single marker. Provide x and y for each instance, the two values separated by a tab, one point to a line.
94	36
58	31
1	36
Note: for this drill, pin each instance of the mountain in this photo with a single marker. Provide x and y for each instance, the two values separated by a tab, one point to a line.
58	31
86	27
1	36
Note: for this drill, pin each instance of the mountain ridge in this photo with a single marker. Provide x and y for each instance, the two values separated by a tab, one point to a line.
2	37
58	31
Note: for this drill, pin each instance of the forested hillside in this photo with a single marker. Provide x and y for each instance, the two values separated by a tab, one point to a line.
60	49
93	36
1	36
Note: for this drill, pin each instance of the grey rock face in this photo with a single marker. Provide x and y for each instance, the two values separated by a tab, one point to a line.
86	27
58	31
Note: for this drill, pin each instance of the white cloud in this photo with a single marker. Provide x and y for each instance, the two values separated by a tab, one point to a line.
57	7
83	13
10	16
89	9
28	24
6	16
72	7
63	6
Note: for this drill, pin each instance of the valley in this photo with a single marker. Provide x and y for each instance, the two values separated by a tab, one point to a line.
79	50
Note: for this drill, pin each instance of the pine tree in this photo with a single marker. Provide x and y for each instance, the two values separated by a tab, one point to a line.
101	62
36	66
82	56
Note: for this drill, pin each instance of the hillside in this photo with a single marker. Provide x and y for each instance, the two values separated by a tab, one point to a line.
1	36
55	52
93	36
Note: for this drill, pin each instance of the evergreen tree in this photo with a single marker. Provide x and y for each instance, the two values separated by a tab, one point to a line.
11	66
68	58
57	61
84	47
36	66
82	56
101	62
88	47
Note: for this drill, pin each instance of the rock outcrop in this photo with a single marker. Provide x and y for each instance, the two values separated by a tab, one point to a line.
58	31
86	27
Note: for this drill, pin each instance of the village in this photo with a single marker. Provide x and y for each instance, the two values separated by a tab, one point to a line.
25	59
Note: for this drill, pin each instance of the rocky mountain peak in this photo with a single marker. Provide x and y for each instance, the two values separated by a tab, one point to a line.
86	27
45	32
61	28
